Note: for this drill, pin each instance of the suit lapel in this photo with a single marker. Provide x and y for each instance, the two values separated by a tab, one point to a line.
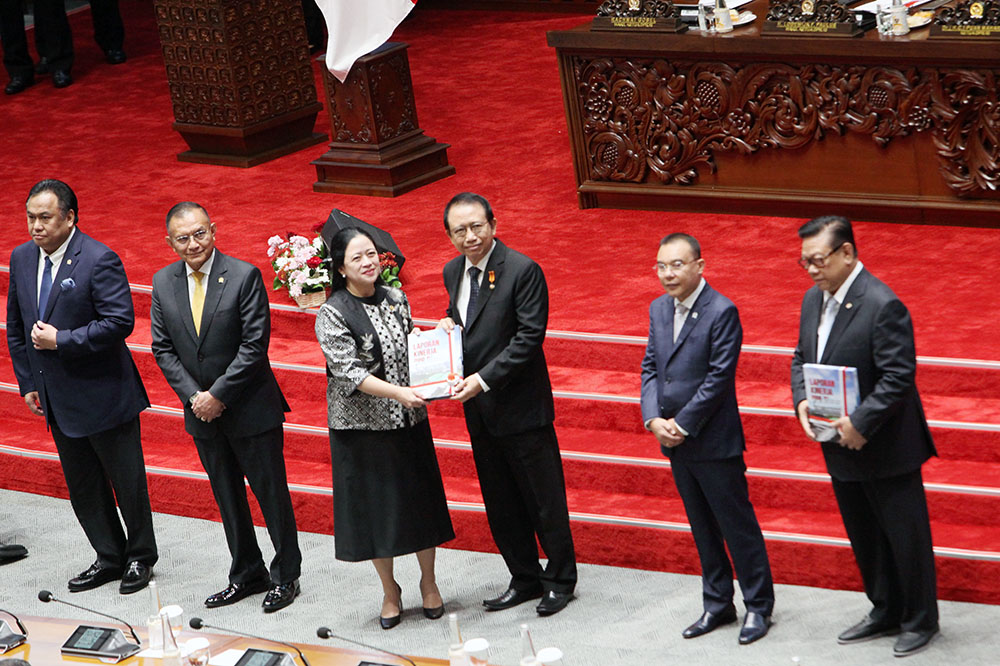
495	266
813	307
694	316
454	283
70	260
213	293
848	309
183	300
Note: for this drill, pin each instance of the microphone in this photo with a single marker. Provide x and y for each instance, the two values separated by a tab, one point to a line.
325	632
197	623
45	596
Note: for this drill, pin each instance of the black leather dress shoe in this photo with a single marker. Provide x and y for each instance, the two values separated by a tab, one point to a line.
237	592
512	597
18	83
12	553
552	602
755	627
710	622
912	642
281	596
115	56
61	78
136	578
95	576
867	630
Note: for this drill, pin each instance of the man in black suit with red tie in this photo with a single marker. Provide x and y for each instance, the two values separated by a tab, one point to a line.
851	318
500	299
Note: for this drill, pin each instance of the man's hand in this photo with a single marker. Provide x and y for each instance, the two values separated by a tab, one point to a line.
467	388
849	435
31	400
407	397
206	407
666	432
447	324
43	336
802	411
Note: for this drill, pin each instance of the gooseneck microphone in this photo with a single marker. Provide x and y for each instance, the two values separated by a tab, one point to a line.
46	596
197	623
326	632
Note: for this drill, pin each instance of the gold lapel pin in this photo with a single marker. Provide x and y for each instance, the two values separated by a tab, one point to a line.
221	280
848	306
694	315
69	261
492	278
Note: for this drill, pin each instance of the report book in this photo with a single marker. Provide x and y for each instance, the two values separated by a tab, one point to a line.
832	392
435	362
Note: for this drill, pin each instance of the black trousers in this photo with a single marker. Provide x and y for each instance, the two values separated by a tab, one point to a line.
53	38
524	490
103	469
889	528
718	508
258	458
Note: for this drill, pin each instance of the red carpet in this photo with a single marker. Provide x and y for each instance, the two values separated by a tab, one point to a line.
109	136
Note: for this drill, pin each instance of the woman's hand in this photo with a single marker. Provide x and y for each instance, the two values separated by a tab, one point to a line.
407	397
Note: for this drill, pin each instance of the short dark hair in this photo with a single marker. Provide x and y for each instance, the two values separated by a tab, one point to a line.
687	238
338	253
468	198
839	226
184	207
64	195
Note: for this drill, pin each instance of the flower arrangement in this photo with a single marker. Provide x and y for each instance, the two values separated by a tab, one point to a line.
390	269
299	264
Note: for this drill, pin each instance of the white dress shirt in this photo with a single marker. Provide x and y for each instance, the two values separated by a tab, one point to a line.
56	259
462	301
839	297
205	270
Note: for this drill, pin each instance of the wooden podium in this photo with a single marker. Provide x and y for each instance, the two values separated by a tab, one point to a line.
378	147
240	78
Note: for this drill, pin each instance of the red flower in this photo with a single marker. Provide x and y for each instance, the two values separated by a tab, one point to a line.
317	228
313	262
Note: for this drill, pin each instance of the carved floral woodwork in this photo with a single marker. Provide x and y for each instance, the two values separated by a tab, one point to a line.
636	8
659	121
970	12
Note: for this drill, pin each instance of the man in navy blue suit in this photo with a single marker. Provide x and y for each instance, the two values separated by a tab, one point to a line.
689	404
69	310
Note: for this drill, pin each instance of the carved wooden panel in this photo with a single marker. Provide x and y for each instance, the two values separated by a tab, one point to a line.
375	104
659	121
235	63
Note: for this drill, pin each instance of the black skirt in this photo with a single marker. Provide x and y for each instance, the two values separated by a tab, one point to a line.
388	498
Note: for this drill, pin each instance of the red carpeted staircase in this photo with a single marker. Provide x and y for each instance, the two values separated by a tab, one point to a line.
625	508
486	83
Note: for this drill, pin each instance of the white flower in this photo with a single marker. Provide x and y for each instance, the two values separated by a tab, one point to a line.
275	241
318	242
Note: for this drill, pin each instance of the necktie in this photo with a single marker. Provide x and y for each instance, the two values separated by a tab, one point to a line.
473	293
680	315
825	326
198	300
46	287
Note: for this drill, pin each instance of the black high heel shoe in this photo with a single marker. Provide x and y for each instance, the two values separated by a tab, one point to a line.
390	622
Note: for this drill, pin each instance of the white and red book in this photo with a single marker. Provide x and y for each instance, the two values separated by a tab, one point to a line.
832	392
435	362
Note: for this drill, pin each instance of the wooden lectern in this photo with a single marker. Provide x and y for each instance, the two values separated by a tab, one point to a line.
377	148
240	78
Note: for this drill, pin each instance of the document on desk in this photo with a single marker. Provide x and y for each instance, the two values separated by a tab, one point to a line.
832	391
435	358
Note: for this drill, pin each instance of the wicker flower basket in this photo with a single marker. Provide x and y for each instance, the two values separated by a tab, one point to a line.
311	300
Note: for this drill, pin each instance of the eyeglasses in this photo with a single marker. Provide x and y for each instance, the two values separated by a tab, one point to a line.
673	266
198	237
819	261
476	228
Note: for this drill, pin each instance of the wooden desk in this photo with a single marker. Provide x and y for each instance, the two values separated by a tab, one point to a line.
46	635
873	127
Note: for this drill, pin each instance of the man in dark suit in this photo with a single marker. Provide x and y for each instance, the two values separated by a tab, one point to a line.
689	404
500	299
69	310
211	327
850	318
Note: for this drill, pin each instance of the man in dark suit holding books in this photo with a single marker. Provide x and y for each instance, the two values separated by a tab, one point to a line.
851	318
500	299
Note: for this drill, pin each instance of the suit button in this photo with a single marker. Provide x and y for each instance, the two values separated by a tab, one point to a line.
201	357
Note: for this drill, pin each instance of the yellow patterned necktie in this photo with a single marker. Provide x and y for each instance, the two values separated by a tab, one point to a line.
198	300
